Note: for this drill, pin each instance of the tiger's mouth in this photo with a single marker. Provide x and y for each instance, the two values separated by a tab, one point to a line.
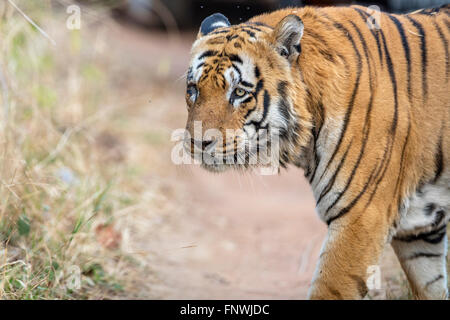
215	161
218	162
221	167
258	151
265	168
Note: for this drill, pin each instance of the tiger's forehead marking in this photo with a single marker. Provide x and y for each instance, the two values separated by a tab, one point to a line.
214	55
239	35
223	68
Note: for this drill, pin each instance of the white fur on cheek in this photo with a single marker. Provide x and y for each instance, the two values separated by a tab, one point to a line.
232	78
275	118
247	69
198	73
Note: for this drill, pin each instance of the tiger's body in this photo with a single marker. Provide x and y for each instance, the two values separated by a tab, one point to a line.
364	111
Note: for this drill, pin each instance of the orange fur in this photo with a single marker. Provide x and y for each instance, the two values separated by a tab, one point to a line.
396	136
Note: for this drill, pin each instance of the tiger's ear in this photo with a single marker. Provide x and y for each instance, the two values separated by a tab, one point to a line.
287	35
211	23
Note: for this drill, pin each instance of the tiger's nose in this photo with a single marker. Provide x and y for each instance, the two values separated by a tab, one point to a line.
203	144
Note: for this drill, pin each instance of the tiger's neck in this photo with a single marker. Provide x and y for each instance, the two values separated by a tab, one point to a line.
323	79
327	79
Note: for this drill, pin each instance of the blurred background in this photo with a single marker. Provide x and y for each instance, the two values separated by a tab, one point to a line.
91	206
191	12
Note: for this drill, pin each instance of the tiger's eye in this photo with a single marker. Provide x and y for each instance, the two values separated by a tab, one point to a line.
239	92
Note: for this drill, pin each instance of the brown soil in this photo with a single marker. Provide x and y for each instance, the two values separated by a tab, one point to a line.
243	237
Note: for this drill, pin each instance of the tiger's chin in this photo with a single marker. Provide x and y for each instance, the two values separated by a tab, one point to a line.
215	168
220	167
255	160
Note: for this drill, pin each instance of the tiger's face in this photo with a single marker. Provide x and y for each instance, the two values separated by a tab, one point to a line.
240	93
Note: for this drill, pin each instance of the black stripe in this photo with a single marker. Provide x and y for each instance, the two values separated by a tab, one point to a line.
189	76
424	255
317	157
216	40
333	178
381	169
266	104
281	88
346	209
252	27
353	96
405	45
433	237
388	149
439	160
318	127
231	37
249	98
247	84
248	113
437	238
423	48
366	128
257	72
361	285
364	16
429	283
429	208
250	33
334	292
402	158
352	174
258	88
238	71
445	44
234	58
316	165
366	51
438	217
447	23
316	36
393	81
259	24
324	48
283	104
208	53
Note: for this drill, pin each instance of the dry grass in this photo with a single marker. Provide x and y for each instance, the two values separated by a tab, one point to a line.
72	184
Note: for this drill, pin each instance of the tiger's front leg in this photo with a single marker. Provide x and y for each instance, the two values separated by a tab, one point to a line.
353	244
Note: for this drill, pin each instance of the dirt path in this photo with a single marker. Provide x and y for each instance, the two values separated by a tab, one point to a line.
243	237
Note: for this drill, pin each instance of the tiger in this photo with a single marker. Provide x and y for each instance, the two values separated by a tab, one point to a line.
357	99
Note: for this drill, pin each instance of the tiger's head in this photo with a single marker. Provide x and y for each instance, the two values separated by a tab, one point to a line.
243	94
